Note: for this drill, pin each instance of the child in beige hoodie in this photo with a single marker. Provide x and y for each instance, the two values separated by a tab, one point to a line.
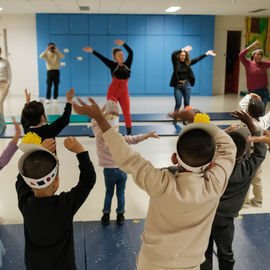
182	206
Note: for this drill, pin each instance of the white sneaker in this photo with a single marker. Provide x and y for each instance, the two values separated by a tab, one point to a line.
47	101
256	203
246	205
55	100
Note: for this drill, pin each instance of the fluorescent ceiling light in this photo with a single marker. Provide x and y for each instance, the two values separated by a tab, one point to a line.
172	9
1	8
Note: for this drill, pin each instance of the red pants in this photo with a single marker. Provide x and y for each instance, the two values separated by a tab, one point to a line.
118	90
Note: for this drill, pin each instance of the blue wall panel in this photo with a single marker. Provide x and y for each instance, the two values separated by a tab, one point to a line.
79	65
59	24
117	24
154	25
98	24
152	38
43	37
136	24
136	84
154	64
174	25
78	24
98	72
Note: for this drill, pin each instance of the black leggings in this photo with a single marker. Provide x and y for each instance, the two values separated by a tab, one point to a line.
52	78
222	234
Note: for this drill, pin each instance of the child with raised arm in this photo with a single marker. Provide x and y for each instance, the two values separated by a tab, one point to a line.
34	119
10	150
182	206
232	199
253	105
113	176
48	218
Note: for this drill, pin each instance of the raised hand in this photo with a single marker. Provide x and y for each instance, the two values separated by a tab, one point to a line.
82	108
231	128
119	42
256	44
17	131
255	96
265	138
73	145
188	48
210	52
88	49
246	119
49	144
70	95
27	96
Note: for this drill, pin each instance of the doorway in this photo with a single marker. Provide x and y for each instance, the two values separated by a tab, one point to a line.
232	61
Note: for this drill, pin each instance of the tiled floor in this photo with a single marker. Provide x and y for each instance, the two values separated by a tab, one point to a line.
157	151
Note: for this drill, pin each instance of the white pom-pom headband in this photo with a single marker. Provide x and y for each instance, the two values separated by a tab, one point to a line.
43	182
210	129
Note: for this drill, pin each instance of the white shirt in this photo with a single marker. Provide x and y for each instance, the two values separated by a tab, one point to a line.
5	72
264	121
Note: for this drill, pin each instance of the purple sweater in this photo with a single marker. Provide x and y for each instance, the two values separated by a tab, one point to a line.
7	154
105	159
256	72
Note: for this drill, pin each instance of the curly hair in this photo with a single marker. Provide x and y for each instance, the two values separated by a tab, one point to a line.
187	59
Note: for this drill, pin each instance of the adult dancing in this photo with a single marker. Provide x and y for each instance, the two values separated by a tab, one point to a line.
120	70
256	71
183	77
5	81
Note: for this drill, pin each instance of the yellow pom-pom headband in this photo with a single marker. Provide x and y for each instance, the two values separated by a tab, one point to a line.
32	138
201	118
31	142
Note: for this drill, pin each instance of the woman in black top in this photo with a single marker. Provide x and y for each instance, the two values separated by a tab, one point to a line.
183	77
120	70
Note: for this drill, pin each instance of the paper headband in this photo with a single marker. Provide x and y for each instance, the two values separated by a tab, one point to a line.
258	50
207	127
40	183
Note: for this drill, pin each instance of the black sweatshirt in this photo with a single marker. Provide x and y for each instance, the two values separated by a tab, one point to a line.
181	71
51	130
233	198
48	227
120	72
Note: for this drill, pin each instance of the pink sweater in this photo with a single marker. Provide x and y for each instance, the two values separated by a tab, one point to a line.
104	156
256	73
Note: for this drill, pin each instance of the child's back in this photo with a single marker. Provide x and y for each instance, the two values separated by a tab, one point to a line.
33	117
48	218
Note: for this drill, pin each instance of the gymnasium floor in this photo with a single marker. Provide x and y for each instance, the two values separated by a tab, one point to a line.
158	152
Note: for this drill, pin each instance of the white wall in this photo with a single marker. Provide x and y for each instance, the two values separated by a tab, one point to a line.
22	51
222	25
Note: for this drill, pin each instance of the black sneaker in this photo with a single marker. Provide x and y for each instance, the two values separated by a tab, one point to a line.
105	220
120	219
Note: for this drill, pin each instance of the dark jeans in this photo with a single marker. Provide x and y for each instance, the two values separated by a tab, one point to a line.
53	78
182	90
114	177
222	234
263	93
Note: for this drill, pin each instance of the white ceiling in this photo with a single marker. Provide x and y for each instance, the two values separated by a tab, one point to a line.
215	7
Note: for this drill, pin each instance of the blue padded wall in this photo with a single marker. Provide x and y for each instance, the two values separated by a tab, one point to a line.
152	38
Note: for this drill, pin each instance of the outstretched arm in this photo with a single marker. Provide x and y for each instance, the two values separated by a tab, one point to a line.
145	175
109	63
